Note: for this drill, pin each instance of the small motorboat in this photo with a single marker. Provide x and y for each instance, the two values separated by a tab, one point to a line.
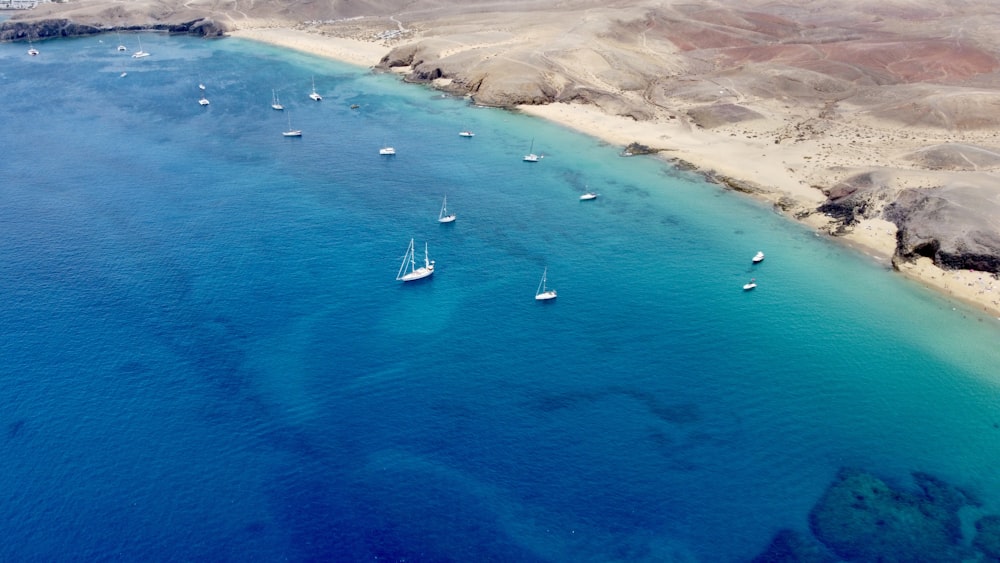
758	257
466	134
750	284
588	196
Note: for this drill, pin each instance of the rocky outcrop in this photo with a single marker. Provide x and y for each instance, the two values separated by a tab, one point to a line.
954	226
861	518
858	197
52	28
635	148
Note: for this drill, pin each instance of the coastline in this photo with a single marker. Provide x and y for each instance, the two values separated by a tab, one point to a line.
756	161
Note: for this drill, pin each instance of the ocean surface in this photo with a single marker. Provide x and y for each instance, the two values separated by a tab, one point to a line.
206	355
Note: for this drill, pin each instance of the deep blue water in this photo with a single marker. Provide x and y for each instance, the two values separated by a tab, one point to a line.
206	356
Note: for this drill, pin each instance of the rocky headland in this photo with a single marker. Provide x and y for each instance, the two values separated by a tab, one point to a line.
875	122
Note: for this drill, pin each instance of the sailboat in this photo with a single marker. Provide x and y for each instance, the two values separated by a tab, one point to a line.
543	293
140	53
292	132
531	156
275	104
31	49
121	46
315	95
386	150
414	273
444	216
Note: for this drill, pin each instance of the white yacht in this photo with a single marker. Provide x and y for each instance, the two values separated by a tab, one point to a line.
543	293
315	95
531	156
750	284
291	132
275	104
466	133
444	216
758	257
588	196
140	53
414	273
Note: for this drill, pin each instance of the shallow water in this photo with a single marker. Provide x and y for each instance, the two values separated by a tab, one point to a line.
206	355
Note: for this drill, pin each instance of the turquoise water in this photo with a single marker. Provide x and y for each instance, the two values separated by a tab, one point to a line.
206	355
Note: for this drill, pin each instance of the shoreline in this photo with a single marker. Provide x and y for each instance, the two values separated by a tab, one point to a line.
755	163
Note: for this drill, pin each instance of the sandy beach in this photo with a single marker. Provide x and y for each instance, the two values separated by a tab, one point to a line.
351	51
746	153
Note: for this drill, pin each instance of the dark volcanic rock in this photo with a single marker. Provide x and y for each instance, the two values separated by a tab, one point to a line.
789	546
47	29
861	518
858	197
635	148
956	227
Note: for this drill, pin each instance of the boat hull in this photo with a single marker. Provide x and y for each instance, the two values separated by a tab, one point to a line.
418	274
546	296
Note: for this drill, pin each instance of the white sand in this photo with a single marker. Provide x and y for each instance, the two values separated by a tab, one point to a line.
351	51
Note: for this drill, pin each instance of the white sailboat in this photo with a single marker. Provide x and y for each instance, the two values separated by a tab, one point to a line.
140	53
291	132
414	273
444	216
386	150
315	95
31	49
543	293
531	156
275	104
121	46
